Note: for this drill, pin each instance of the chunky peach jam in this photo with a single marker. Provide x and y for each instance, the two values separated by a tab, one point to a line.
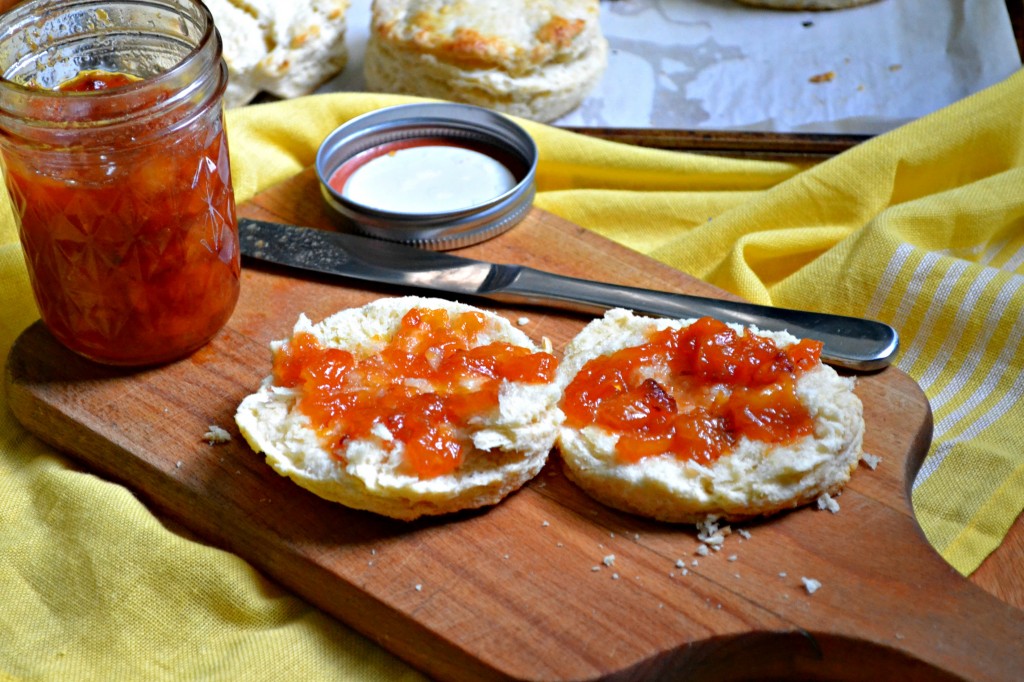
694	392
424	386
132	246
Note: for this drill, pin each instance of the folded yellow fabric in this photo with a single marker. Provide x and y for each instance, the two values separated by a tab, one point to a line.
921	227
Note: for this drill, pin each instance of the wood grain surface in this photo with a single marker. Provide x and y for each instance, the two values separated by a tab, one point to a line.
775	146
1002	572
521	590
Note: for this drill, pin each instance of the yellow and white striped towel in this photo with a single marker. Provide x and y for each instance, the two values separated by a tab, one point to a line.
922	227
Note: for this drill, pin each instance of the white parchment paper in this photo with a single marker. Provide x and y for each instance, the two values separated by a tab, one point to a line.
721	65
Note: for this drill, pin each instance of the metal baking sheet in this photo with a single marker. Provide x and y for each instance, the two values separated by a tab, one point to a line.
719	65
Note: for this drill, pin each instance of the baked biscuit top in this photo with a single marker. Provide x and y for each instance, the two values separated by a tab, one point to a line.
516	36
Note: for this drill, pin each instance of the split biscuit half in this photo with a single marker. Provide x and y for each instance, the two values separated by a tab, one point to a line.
507	443
754	478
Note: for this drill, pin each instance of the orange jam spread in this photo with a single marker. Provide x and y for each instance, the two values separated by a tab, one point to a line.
424	386
694	392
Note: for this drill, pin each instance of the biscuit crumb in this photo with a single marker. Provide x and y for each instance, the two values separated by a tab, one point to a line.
872	461
826	77
744	533
711	534
811	585
522	321
216	435
826	501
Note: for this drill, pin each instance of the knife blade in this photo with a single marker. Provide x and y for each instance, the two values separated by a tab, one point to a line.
849	342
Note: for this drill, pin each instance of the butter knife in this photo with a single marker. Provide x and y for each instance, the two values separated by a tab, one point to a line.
850	342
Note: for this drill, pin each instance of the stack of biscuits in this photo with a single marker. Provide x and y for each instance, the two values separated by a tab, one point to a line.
532	58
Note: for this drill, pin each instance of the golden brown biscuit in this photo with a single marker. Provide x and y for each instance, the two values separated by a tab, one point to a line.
531	58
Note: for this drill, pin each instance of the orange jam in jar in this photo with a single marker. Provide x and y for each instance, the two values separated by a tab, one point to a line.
694	392
426	386
116	161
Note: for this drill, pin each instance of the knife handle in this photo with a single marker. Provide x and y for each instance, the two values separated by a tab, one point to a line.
849	342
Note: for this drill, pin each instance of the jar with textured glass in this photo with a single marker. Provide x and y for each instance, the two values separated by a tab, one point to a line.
116	160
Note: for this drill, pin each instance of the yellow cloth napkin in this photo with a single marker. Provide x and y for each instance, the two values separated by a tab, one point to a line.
922	227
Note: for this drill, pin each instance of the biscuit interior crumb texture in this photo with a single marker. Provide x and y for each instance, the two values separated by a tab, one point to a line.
286	48
753	479
509	445
532	58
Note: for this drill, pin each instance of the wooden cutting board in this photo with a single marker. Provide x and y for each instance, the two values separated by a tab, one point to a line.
521	590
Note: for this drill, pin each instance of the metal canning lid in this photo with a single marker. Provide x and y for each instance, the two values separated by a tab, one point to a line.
439	176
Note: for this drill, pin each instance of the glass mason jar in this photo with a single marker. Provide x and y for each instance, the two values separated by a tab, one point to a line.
115	157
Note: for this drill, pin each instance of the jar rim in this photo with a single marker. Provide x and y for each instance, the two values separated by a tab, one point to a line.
27	12
56	119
